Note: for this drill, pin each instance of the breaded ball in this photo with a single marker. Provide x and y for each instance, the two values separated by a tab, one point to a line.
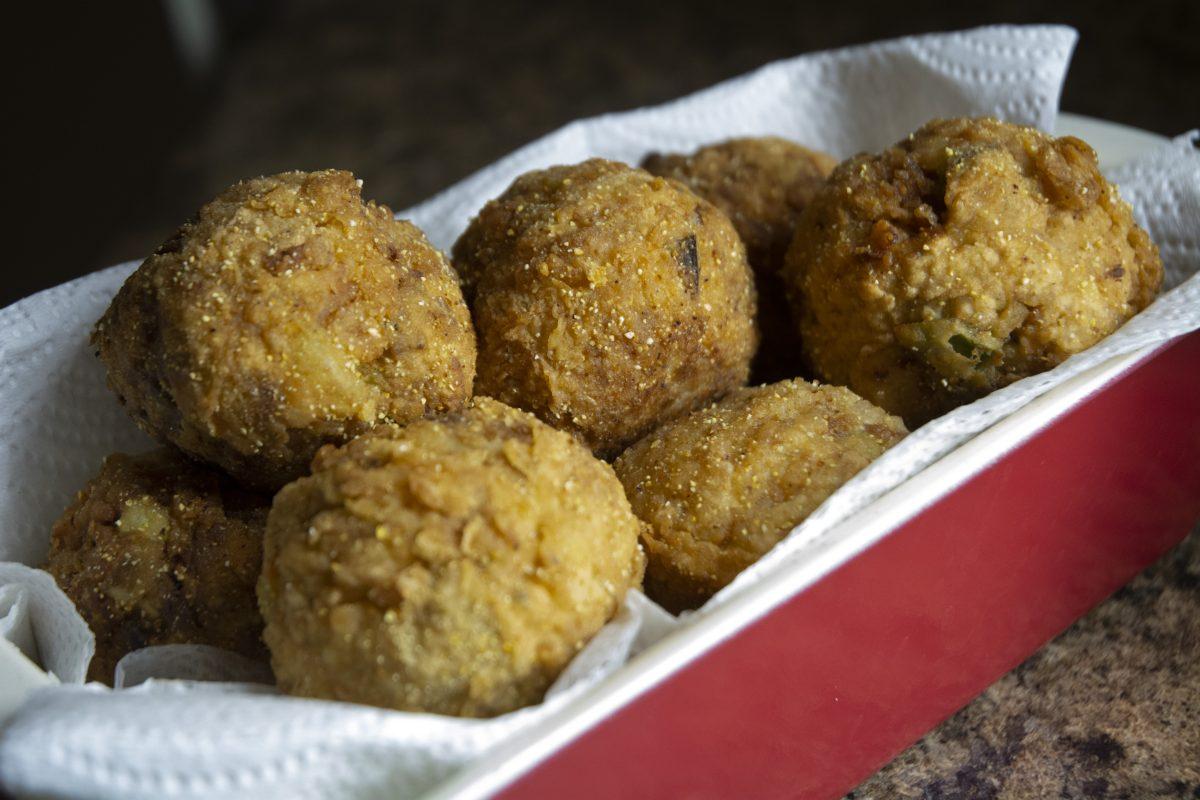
452	566
287	315
159	550
762	184
721	486
606	300
968	256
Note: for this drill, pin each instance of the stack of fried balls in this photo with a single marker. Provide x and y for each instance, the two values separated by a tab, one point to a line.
424	484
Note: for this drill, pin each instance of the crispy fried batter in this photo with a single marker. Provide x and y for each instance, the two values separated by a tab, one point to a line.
968	256
453	566
159	550
721	486
762	184
606	300
288	314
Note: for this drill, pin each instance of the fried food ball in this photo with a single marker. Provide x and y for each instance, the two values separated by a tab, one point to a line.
287	315
452	566
157	549
762	184
606	300
968	256
721	486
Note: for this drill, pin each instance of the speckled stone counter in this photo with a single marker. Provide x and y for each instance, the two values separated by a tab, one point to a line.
413	98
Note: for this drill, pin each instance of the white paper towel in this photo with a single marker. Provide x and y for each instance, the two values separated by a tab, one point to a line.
172	738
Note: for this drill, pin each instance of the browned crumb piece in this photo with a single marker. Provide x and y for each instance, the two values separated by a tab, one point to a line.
721	486
762	184
968	256
452	566
287	315
606	300
159	550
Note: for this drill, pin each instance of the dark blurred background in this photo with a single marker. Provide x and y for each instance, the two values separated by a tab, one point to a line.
130	115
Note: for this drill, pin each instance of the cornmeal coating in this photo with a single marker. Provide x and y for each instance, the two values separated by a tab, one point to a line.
762	184
968	256
606	300
157	549
287	315
452	566
721	486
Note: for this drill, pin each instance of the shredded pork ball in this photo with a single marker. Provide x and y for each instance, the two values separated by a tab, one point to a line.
159	550
721	486
606	300
287	315
452	566
970	255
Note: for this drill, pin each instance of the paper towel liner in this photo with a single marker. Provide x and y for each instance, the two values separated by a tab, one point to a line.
183	738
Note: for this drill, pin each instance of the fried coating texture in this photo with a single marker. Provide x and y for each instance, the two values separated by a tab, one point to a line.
452	566
721	486
287	315
762	184
968	256
606	300
157	549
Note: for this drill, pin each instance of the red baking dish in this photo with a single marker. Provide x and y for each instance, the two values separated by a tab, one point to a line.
812	676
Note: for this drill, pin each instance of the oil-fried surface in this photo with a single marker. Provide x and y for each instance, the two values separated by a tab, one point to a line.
606	300
288	314
762	184
968	256
159	550
453	566
721	486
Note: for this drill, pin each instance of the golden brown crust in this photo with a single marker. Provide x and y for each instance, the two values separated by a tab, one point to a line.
159	550
968	256
453	566
606	300
721	486
288	314
762	184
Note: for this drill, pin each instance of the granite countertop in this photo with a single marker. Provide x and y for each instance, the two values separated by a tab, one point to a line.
1109	709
